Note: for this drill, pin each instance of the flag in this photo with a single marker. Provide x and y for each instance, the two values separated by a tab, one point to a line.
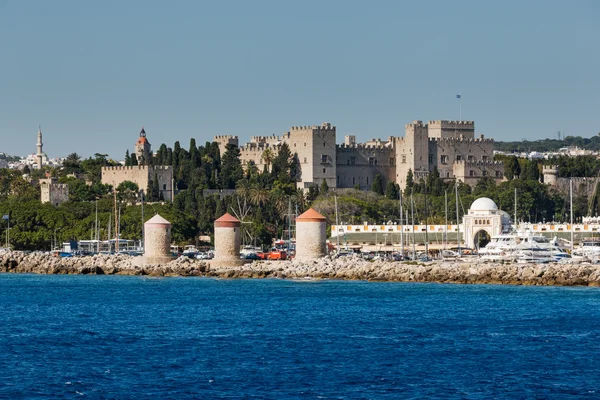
458	96
5	217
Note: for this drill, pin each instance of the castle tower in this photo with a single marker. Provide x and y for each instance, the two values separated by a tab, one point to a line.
412	153
227	239
310	236
143	148
39	153
157	241
550	173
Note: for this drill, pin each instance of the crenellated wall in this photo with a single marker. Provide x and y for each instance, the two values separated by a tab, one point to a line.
470	172
444	152
142	175
423	147
448	129
224	140
358	164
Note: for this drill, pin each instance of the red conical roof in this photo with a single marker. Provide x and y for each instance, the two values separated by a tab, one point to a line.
227	220
311	216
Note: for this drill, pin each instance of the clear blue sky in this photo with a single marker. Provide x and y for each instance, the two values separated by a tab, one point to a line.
92	73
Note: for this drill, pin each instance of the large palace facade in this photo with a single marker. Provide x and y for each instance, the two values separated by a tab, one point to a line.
451	146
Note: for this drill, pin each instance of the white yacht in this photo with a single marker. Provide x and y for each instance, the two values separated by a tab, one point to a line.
589	248
523	246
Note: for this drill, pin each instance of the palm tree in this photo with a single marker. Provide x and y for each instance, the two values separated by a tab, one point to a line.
299	199
259	195
267	157
279	201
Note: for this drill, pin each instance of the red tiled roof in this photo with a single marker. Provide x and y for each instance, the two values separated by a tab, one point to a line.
310	216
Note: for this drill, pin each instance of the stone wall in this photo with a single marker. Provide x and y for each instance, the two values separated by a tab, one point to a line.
53	192
141	175
224	140
451	129
359	164
423	147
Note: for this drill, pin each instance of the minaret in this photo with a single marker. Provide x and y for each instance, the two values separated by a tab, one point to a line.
39	148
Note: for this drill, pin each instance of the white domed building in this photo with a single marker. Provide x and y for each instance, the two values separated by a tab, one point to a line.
484	220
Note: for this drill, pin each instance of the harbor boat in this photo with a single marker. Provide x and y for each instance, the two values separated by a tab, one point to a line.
589	248
190	251
523	247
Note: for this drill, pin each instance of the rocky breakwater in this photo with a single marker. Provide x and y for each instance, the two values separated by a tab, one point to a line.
469	272
99	264
347	268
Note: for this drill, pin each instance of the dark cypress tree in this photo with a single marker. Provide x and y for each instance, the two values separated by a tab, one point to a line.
231	168
127	158
408	189
194	155
280	167
169	156
134	160
391	191
377	185
295	169
324	187
156	192
175	157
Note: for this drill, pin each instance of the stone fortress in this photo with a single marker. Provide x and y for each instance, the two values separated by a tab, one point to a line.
53	192
142	174
585	185
451	146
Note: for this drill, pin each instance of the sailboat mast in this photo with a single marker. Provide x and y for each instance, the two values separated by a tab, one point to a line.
401	226
143	233
337	222
116	222
515	209
426	225
97	237
571	205
457	219
412	216
109	232
446	211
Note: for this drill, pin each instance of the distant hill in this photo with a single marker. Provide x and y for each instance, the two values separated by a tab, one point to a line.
9	158
542	145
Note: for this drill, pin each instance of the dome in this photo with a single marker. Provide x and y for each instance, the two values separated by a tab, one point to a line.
505	218
483	204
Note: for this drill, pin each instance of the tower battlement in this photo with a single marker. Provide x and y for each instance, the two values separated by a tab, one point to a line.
325	126
550	169
364	147
416	124
225	137
452	140
479	163
449	124
264	139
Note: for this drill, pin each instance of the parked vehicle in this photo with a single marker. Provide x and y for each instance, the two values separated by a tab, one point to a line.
277	255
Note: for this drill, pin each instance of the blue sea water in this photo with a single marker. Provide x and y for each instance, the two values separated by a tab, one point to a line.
136	337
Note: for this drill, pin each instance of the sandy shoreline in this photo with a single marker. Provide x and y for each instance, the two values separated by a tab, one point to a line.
470	272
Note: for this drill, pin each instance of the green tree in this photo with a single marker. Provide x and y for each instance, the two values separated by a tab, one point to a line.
324	187
127	192
408	189
231	168
391	191
377	185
